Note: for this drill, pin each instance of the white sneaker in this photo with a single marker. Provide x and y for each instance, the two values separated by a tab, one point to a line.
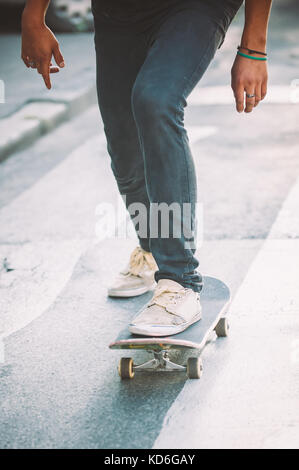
138	276
172	309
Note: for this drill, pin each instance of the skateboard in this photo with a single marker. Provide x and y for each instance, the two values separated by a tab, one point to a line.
215	300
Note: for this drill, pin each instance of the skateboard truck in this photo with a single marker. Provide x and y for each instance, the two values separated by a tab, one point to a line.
160	362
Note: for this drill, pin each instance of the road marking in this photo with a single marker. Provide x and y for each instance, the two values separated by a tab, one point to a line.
197	133
248	396
223	95
286	224
44	232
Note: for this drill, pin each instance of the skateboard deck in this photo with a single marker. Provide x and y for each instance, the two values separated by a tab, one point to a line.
215	299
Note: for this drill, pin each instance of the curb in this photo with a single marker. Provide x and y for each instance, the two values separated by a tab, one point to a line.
38	117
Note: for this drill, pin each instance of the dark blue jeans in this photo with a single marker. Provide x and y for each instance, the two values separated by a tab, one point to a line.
145	71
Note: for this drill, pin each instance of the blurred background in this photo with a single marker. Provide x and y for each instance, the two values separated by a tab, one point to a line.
62	15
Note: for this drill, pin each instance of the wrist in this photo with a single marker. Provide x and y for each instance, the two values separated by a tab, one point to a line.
32	18
253	41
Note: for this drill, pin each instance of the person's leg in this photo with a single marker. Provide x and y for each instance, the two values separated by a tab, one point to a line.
120	55
181	51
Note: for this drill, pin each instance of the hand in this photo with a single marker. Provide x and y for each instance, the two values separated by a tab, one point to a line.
249	77
38	46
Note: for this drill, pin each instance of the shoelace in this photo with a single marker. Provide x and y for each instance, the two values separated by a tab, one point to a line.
138	259
165	295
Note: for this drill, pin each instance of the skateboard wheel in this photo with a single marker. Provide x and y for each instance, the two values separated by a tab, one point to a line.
222	327
194	367
125	368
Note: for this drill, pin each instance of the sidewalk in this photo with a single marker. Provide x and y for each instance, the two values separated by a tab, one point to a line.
29	109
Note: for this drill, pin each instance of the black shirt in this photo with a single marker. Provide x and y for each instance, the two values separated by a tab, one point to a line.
135	9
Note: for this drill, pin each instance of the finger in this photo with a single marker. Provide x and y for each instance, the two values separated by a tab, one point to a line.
32	64
258	94
58	56
263	90
250	101
45	71
239	98
25	59
54	69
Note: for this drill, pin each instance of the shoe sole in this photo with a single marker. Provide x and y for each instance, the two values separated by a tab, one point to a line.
130	292
164	331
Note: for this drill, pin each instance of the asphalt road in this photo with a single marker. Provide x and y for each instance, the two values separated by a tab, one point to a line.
59	386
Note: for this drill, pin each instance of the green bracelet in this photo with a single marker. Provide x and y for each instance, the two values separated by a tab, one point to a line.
250	57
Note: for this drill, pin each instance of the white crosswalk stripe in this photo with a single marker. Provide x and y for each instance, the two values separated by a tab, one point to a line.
250	399
197	133
46	229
